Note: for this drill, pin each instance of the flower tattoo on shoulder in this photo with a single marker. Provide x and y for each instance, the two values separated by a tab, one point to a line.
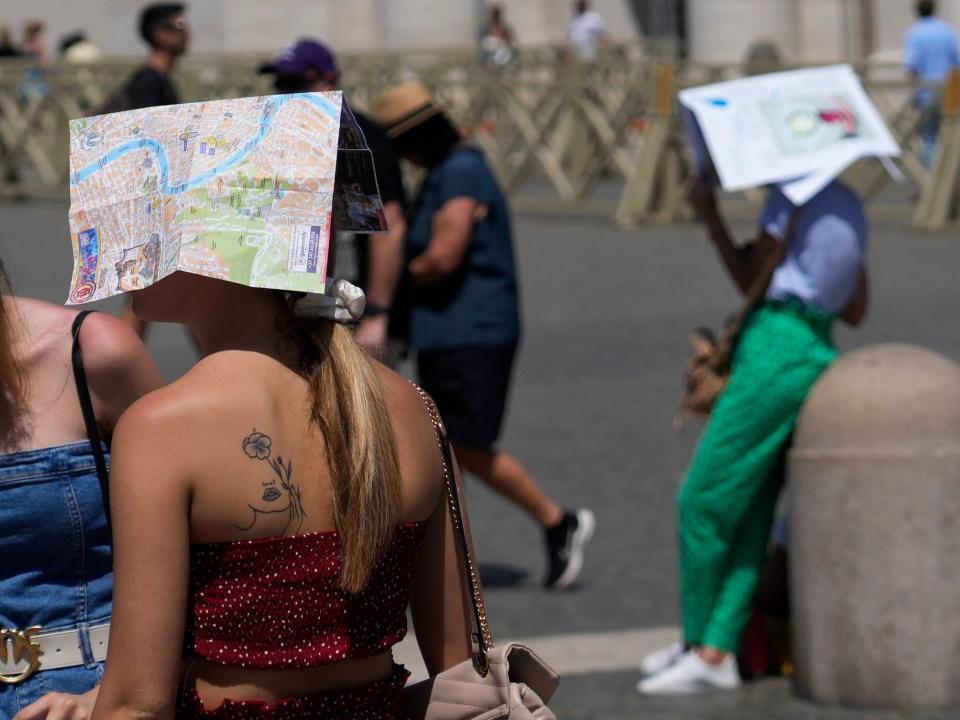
257	446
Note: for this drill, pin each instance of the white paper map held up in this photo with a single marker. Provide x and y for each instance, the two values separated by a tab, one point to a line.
801	128
244	190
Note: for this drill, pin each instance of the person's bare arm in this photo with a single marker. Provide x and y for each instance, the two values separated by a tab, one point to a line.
150	501
439	603
118	366
744	262
384	267
856	309
452	231
132	321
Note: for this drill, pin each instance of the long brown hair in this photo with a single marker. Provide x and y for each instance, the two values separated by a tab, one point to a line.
12	382
348	406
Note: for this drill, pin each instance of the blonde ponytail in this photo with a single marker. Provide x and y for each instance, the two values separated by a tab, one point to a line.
349	408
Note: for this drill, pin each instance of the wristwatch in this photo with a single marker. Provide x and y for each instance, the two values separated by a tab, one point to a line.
372	310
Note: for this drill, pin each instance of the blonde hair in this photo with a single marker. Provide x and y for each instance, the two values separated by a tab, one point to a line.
348	406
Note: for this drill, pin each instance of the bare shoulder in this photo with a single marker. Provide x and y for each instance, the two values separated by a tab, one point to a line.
225	382
405	403
44	324
110	345
410	417
184	411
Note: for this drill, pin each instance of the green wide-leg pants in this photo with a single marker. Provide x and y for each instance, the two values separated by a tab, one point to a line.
726	504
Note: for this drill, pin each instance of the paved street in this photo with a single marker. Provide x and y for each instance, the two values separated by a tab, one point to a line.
606	316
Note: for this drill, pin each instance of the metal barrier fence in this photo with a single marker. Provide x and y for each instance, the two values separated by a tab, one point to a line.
599	138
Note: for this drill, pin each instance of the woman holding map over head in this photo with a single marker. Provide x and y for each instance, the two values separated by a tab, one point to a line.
793	132
276	509
726	504
65	378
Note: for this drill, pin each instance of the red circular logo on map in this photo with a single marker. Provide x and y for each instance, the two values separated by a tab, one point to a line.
83	292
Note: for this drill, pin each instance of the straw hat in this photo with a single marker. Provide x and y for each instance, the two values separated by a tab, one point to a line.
404	107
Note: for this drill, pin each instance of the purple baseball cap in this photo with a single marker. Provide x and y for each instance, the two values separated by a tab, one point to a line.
301	57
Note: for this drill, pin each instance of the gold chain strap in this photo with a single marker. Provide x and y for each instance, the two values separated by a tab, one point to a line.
484	638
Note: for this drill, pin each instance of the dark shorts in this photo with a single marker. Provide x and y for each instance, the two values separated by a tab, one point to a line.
470	387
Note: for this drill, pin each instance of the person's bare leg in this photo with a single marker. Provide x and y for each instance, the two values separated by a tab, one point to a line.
713	656
509	478
136	324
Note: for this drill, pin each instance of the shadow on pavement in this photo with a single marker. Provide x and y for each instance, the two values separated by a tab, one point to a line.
502	576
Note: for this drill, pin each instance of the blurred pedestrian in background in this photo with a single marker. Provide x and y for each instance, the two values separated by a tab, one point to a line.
76	49
7	48
63	386
763	56
465	323
165	29
34	44
726	504
587	31
33	83
497	44
309	66
931	53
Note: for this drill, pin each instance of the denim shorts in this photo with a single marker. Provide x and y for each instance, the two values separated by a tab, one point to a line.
57	559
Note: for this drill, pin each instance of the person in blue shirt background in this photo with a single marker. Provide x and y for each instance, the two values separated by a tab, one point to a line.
931	53
464	315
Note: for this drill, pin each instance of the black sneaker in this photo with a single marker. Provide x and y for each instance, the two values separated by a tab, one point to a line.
565	545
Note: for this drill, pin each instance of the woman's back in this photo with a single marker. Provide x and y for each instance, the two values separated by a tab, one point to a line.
240	455
255	459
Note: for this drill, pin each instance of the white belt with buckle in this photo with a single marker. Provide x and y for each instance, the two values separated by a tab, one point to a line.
24	652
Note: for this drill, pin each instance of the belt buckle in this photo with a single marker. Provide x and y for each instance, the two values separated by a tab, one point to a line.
17	643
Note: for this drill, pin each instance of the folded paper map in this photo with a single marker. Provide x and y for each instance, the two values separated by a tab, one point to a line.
801	128
245	190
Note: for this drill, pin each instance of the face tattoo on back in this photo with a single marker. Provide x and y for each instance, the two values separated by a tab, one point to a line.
278	493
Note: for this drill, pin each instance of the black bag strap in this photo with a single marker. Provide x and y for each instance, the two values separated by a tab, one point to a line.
482	638
89	418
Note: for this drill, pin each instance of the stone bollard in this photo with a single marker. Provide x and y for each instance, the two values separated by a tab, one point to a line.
874	483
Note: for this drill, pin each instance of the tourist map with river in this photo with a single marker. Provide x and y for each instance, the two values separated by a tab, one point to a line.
245	190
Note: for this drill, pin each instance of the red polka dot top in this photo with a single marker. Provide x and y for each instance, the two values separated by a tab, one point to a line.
277	602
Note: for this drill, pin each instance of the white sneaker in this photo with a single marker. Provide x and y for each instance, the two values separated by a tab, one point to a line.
691	675
660	660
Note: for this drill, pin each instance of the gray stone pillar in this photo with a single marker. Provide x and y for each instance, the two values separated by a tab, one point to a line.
874	482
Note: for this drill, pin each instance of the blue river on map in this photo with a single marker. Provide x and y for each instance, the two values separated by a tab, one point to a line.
269	112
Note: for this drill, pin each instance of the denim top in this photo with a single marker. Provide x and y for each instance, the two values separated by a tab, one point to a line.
57	560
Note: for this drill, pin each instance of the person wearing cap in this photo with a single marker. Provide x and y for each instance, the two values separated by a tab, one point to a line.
464	321
309	66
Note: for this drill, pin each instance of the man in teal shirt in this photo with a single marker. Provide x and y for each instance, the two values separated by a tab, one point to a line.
465	317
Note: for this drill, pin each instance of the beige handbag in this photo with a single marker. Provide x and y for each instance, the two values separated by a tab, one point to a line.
503	682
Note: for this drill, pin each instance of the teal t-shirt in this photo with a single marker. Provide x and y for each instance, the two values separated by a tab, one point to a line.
478	304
